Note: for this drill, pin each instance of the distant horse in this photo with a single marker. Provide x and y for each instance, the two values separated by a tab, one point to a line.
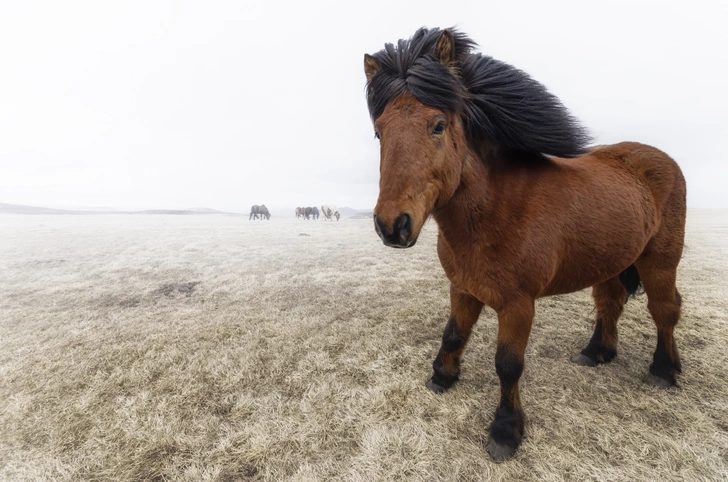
311	212
524	208
254	212
329	211
300	212
261	211
264	212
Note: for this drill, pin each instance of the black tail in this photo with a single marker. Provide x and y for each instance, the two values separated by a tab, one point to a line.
631	281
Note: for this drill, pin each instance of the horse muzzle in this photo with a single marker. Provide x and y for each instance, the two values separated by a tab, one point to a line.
398	236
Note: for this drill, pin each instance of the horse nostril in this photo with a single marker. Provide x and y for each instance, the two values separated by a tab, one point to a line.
398	235
403	226
379	226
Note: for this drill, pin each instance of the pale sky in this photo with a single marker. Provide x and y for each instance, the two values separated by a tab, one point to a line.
150	104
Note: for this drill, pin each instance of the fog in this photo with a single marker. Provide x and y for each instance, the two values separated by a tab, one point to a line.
173	105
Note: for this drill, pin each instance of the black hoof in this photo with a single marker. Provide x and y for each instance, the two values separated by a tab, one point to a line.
506	433
659	382
435	387
499	452
440	383
583	360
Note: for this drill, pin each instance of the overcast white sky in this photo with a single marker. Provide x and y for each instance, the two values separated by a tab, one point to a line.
151	104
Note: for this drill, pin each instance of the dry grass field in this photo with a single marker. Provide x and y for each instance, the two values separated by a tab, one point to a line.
213	348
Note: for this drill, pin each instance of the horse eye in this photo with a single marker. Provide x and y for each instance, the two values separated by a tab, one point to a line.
376	134
439	129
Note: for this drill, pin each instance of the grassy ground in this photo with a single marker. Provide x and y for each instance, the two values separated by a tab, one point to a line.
211	348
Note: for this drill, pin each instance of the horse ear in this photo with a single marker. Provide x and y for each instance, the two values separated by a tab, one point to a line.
445	47
371	66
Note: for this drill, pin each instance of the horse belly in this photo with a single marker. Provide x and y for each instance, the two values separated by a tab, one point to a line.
572	280
593	254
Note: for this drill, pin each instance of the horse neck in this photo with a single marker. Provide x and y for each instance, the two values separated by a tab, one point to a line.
491	192
461	216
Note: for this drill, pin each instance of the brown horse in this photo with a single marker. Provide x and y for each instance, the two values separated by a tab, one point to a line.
300	212
524	209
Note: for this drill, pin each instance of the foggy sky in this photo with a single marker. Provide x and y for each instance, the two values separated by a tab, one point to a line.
227	104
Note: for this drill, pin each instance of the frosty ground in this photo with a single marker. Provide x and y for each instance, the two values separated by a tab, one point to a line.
210	347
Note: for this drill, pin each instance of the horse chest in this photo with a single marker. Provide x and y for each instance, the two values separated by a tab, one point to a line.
467	272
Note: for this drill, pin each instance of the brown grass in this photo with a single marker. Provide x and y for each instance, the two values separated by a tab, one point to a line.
217	349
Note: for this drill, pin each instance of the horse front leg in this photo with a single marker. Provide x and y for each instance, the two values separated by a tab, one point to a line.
514	327
464	312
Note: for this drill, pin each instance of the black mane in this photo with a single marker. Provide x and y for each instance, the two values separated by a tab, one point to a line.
497	102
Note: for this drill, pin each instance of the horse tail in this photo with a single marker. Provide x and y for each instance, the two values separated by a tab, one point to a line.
630	279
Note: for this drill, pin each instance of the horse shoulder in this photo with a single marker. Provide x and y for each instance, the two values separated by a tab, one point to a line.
466	271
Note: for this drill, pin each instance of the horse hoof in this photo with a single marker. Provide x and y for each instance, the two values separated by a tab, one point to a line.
583	360
435	387
656	381
499	452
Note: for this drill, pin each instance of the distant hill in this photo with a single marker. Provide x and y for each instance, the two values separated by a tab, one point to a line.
180	211
186	212
206	211
347	212
20	209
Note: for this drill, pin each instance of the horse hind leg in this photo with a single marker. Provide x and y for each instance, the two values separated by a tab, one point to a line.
663	303
609	298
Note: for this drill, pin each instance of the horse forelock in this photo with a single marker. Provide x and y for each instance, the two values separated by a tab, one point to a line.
497	102
411	65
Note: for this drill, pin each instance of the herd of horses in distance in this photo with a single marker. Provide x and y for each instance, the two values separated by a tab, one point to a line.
329	212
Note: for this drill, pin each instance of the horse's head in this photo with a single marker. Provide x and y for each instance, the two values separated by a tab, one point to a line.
421	159
422	147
